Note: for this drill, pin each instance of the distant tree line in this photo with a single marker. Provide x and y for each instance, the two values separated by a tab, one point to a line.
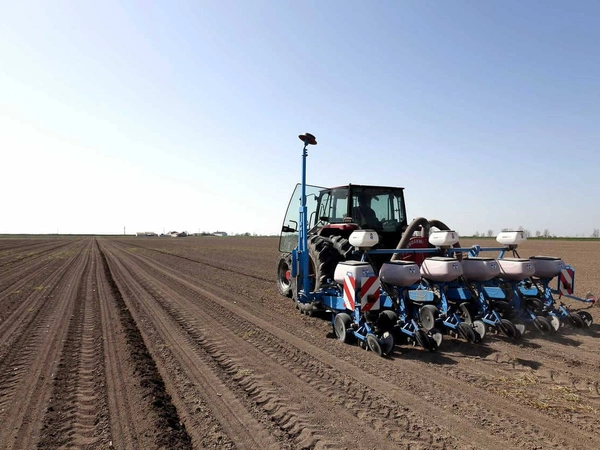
538	234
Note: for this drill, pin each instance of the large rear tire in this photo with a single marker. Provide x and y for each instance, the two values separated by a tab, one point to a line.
323	258
343	247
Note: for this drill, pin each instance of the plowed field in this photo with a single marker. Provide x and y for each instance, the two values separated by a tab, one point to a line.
143	343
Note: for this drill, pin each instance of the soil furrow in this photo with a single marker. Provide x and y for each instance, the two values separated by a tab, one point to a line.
17	292
78	416
236	425
205	263
130	425
34	358
11	264
170	432
29	322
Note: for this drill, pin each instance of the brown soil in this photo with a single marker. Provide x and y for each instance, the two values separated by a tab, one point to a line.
143	343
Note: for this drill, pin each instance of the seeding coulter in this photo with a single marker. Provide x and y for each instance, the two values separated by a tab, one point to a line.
350	251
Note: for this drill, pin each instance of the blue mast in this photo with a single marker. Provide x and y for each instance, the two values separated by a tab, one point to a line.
304	287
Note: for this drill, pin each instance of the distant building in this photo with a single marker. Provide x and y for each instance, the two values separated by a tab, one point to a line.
178	234
219	233
146	233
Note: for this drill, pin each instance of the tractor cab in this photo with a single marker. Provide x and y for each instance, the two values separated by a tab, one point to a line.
340	210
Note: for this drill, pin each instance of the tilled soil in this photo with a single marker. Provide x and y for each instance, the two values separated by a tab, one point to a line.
143	343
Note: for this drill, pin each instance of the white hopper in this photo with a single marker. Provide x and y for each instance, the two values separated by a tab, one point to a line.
441	269
400	273
480	268
547	266
515	269
356	269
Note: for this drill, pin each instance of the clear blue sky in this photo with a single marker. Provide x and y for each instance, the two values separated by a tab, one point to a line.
185	115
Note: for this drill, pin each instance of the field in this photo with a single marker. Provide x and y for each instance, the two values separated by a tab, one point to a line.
142	343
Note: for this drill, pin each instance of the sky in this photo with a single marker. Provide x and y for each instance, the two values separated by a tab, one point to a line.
118	117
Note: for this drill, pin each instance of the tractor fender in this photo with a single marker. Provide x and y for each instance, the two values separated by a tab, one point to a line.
408	234
416	242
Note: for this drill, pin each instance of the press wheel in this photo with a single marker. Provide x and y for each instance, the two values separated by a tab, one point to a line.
387	343
422	339
508	328
373	344
519	326
466	332
341	324
576	320
428	314
587	318
554	323
435	339
542	324
480	328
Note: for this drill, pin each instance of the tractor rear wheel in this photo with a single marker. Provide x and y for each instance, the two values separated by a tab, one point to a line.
343	247
323	258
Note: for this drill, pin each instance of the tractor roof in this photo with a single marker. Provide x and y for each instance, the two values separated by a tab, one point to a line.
366	186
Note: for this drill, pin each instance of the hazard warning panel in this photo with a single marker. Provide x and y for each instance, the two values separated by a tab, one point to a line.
369	293
566	280
349	292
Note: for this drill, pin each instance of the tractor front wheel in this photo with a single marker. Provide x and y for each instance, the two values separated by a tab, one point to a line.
284	275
